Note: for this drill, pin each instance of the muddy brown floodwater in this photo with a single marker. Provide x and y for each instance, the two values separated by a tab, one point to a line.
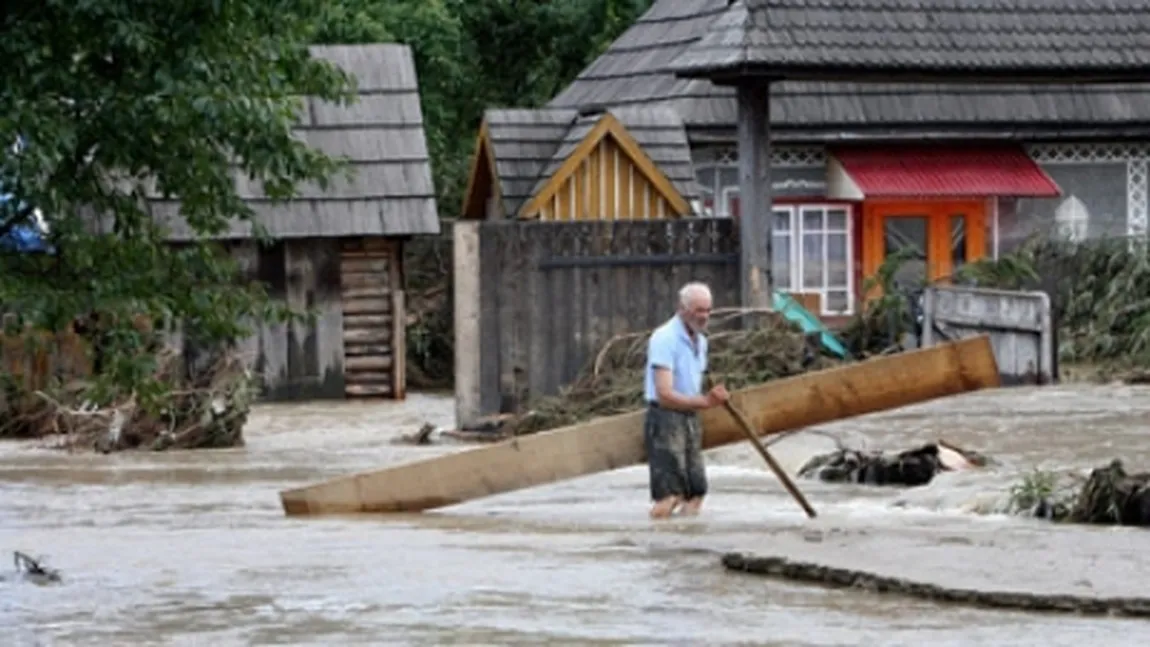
193	548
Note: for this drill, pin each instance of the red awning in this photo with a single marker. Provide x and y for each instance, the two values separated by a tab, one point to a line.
937	171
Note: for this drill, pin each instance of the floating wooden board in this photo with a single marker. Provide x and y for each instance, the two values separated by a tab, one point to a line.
609	443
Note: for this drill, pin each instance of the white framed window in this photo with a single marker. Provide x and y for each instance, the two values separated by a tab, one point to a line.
718	184
783	262
812	251
821	252
729	206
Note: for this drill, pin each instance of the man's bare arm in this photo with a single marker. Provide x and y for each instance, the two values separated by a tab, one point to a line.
671	399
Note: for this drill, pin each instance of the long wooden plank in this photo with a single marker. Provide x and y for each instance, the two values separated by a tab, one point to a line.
376	266
366	363
358	349
365	285
610	443
367	306
382	334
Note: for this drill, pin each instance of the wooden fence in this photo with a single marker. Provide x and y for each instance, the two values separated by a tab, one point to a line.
1019	324
535	301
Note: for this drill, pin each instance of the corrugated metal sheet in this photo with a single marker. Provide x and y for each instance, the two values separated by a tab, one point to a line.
945	171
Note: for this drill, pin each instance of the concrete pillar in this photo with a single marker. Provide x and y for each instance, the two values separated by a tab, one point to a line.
465	257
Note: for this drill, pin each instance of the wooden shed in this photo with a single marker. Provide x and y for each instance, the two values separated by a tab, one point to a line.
561	165
339	251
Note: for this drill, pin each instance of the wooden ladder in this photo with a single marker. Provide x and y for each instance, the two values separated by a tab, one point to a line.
367	270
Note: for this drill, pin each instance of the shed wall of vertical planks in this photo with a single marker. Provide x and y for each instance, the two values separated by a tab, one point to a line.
354	345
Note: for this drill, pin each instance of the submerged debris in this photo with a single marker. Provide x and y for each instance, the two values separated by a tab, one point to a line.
421	437
812	573
488	429
912	467
1097	292
209	403
32	570
1107	496
742	353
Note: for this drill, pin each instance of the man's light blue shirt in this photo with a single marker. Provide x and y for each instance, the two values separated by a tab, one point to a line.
670	347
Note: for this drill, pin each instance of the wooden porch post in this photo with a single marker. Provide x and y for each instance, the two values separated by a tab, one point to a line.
754	99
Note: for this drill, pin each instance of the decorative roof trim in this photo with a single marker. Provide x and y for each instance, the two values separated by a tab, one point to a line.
608	125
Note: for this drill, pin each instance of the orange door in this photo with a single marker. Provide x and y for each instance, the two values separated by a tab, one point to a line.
943	235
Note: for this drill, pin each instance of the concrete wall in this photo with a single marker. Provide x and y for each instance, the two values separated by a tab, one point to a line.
468	405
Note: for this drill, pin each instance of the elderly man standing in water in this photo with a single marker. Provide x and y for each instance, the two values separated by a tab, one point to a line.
676	361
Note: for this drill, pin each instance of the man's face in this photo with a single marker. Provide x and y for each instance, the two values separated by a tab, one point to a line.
697	313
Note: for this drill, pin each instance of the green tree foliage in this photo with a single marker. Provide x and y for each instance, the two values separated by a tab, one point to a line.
477	54
109	94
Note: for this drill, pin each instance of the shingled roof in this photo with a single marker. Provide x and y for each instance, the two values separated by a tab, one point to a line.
661	134
844	39
530	145
381	136
523	142
634	71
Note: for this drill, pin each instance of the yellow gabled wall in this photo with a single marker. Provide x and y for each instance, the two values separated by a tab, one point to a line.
606	177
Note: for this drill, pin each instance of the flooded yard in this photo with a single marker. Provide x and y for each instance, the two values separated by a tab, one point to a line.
193	548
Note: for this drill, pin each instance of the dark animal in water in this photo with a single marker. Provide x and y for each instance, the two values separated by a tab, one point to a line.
909	468
33	571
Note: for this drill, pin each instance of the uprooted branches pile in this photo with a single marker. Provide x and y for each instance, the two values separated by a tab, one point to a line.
1109	495
203	404
1099	291
746	347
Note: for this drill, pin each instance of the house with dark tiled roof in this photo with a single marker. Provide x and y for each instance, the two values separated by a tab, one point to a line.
338	249
564	164
867	156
